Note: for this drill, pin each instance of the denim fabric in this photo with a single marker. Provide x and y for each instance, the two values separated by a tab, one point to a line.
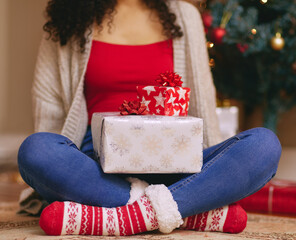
59	171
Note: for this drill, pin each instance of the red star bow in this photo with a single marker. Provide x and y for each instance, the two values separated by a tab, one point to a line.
170	79
133	108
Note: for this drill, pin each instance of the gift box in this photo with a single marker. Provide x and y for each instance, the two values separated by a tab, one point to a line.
147	143
277	196
228	121
160	100
170	98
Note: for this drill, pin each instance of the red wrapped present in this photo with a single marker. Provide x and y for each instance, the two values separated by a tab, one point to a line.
277	196
170	99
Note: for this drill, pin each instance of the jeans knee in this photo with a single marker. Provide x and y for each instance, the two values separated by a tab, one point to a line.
269	145
28	151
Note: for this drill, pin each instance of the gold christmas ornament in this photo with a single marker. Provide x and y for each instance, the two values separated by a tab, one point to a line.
254	31
277	42
210	44
212	63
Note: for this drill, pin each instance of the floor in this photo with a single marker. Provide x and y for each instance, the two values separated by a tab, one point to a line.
17	227
11	184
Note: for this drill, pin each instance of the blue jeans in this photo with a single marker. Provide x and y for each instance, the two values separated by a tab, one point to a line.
59	171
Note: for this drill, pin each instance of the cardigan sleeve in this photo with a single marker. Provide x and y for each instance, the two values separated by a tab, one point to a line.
48	111
201	73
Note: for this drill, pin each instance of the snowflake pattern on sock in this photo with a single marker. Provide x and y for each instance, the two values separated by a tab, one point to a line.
212	221
110	221
71	218
121	221
150	213
216	219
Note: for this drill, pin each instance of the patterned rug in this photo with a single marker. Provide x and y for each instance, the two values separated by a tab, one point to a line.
16	227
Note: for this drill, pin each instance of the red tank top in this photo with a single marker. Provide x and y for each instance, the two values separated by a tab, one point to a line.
114	71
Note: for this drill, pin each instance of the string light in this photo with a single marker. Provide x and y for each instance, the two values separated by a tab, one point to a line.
254	31
263	1
210	44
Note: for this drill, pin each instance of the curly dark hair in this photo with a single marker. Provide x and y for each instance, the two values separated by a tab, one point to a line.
71	18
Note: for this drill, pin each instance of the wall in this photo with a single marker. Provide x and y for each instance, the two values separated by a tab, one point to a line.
3	61
21	28
286	129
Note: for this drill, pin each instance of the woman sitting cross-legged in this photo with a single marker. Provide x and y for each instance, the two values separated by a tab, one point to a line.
93	55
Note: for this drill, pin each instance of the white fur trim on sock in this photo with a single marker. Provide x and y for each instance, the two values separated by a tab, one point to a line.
137	189
166	208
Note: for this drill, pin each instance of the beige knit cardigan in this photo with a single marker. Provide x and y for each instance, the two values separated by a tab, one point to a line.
59	104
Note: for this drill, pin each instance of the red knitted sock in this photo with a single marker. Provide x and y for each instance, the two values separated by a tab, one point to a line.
230	219
67	218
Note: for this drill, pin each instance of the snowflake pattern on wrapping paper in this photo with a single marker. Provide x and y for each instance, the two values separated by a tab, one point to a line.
167	131
196	162
136	161
196	130
181	170
166	161
120	145
120	169
136	130
151	168
181	144
152	145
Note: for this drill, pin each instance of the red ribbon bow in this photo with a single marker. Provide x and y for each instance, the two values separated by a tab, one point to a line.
170	79
133	108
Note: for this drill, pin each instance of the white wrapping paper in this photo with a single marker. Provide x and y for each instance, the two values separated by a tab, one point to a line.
147	143
228	121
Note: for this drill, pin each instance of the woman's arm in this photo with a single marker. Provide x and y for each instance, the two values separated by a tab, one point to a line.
204	89
48	111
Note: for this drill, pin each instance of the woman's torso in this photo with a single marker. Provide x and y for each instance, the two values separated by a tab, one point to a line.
114	71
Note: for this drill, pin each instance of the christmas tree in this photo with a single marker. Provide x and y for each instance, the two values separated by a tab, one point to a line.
252	44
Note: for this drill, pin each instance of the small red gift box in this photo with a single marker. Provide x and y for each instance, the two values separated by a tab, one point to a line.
170	99
277	196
